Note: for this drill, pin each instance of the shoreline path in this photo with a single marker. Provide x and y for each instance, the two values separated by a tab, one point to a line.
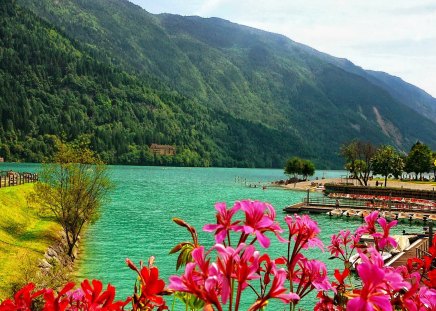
304	185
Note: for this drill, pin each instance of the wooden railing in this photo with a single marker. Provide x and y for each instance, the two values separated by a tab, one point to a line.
10	178
398	192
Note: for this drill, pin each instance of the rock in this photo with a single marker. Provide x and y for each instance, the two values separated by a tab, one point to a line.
51	252
44	264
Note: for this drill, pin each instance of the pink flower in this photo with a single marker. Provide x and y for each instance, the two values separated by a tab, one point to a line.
240	264
373	295
370	224
259	218
304	231
379	284
384	239
224	222
277	290
428	298
310	275
201	279
341	243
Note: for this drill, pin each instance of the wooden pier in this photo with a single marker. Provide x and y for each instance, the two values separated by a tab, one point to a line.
416	249
325	204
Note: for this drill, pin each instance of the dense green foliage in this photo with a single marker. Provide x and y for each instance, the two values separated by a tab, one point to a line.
51	86
419	159
223	94
386	161
358	156
297	166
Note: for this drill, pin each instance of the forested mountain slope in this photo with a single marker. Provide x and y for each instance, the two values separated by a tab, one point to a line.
258	96
50	86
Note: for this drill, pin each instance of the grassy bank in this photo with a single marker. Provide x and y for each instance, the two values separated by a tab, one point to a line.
24	237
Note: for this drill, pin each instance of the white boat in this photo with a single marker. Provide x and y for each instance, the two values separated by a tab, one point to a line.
418	217
349	213
336	212
432	217
403	216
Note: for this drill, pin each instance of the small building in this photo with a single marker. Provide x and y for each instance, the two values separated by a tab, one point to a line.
163	149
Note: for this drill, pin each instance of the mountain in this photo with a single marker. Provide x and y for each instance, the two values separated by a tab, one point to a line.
50	85
406	93
261	96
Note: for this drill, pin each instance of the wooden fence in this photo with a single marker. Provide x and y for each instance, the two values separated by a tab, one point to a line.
10	178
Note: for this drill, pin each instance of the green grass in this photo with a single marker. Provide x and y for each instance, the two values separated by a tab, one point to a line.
24	236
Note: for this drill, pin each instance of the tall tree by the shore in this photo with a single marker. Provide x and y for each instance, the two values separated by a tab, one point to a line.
297	166
387	161
419	159
308	169
358	155
73	188
433	166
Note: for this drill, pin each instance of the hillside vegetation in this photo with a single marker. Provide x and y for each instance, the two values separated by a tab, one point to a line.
222	93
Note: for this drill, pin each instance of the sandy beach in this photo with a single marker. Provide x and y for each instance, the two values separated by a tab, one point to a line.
311	184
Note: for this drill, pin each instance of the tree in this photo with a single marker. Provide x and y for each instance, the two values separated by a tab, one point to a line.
433	166
294	166
419	159
297	166
358	155
73	188
387	161
308	168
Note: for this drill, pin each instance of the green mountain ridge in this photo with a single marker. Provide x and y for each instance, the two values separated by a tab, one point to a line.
52	86
260	97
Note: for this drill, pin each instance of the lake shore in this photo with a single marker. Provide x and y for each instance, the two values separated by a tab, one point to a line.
311	184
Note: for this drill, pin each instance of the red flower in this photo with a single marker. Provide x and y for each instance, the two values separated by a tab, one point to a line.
22	299
60	302
94	298
151	288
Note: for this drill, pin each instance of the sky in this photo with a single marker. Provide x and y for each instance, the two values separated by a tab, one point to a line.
394	36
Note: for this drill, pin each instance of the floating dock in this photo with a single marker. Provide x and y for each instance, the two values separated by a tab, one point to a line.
325	205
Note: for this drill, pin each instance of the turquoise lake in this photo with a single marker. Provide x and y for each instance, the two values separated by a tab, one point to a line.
137	224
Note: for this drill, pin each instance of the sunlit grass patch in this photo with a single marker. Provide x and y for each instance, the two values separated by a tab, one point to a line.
25	235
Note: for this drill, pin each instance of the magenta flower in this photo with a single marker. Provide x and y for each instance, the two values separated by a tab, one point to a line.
304	231
384	239
379	283
312	274
373	295
370	221
201	279
341	243
240	264
276	290
259	218
224	222
428	298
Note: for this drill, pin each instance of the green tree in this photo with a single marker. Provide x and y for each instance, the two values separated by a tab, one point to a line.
294	167
358	155
308	168
433	166
387	161
419	159
297	166
73	188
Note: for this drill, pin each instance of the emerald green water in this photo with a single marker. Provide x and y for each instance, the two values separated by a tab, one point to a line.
137	223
